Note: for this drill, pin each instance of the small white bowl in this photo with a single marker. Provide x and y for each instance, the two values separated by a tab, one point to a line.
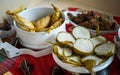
37	40
70	68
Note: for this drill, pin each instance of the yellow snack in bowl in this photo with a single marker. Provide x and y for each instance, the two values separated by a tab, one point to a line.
42	23
21	21
18	10
55	25
56	15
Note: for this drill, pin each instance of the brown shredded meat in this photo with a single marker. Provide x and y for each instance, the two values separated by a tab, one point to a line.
91	19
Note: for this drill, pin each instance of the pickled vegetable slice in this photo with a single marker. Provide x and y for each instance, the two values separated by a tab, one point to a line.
81	32
74	60
93	57
67	51
83	47
91	61
65	38
106	49
98	40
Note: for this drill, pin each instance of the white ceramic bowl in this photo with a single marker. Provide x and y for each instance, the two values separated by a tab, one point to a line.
93	31
70	68
37	40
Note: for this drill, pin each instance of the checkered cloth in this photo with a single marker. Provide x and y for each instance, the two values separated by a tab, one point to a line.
5	63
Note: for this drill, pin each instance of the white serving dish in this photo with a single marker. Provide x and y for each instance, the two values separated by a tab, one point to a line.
70	68
37	40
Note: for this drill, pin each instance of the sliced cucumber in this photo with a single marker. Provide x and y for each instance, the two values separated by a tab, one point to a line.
106	49
91	61
55	49
81	32
58	51
65	38
98	40
89	64
93	57
67	51
83	47
74	60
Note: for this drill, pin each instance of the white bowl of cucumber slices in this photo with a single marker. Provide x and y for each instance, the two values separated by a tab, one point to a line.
82	52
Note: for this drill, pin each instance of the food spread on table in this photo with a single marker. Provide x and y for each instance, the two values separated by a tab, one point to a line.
79	48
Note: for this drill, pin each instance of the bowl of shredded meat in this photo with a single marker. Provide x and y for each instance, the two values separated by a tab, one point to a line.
96	22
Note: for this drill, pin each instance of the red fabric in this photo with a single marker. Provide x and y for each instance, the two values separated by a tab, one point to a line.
72	9
117	19
69	27
115	67
41	66
110	37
